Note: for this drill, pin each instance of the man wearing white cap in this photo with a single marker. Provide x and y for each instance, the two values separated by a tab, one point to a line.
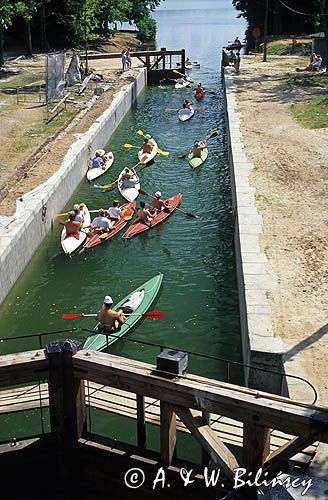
78	210
157	204
110	320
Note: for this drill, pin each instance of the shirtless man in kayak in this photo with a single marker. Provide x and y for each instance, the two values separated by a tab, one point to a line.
199	90
159	205
146	146
187	104
72	226
144	215
197	148
110	320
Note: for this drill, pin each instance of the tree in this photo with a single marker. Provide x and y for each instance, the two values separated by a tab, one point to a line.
26	9
6	16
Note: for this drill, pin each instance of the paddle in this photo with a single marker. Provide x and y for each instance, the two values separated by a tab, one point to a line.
160	151
177	208
109	186
149	314
168	110
67	213
213	134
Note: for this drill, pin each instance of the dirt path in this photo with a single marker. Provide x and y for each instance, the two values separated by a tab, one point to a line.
290	176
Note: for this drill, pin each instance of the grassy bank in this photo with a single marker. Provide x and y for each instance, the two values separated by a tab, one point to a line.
313	113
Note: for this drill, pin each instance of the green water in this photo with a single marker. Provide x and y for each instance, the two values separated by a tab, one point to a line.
199	292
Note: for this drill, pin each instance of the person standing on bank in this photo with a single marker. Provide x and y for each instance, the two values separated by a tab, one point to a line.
128	58
123	59
237	62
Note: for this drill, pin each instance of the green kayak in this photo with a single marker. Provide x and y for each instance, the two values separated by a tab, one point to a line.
138	301
195	162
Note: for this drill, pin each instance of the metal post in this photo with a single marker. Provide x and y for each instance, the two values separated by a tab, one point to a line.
265	35
141	422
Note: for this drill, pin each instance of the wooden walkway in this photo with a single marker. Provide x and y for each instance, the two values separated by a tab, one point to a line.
124	403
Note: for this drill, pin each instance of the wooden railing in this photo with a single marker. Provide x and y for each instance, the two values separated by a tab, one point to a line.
69	372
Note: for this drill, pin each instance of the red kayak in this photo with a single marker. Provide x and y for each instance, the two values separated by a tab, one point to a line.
139	227
126	216
200	95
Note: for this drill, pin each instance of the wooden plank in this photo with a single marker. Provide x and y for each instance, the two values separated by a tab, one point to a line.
200	393
209	441
141	421
168	434
256	446
124	403
22	367
138	54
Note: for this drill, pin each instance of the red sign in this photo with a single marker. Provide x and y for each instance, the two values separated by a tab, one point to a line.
256	32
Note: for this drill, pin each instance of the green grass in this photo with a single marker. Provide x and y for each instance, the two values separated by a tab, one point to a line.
313	113
309	80
284	49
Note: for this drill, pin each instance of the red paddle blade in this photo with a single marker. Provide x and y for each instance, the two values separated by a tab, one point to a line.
154	314
70	316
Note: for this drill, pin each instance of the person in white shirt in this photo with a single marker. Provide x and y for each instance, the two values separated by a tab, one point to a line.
114	211
100	224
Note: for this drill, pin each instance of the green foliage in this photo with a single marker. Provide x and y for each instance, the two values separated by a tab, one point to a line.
312	114
283	49
26	9
147	29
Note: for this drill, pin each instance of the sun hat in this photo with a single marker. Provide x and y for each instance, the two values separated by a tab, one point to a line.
76	206
147	136
158	194
108	299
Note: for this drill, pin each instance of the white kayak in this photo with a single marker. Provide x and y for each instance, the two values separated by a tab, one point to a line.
188	66
181	83
129	188
185	114
93	173
150	156
71	243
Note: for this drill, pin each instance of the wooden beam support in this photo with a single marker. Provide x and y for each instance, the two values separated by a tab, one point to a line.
168	434
200	393
278	460
23	367
141	422
256	446
66	396
209	441
138	54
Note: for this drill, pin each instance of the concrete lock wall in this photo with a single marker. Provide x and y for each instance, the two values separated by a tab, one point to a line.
255	279
32	220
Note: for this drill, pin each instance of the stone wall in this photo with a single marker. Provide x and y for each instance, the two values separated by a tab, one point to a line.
22	236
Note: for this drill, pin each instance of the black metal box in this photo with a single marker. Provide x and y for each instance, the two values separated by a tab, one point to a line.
172	361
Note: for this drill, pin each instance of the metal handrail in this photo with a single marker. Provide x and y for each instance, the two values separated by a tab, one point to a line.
206	356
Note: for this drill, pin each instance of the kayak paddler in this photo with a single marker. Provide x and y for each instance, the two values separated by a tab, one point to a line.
144	215
199	90
79	212
159	205
72	226
100	224
187	104
146	146
197	148
110	320
114	212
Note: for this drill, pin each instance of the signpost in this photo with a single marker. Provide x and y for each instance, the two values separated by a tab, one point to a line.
256	33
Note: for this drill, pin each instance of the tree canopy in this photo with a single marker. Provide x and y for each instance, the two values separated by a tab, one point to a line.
64	23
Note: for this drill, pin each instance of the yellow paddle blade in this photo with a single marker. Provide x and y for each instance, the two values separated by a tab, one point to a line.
129	146
143	159
103	236
161	152
200	109
167	110
213	134
178	72
60	215
128	217
140	132
107	186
